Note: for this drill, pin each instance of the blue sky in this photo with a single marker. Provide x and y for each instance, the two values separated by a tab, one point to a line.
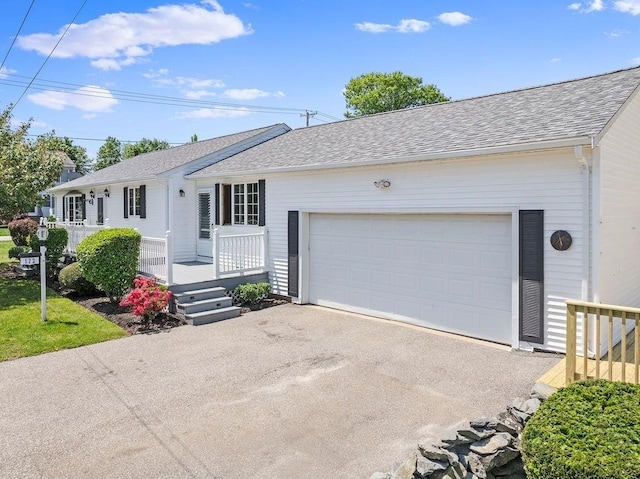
209	67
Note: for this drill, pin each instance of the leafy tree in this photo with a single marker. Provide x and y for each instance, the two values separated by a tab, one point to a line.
378	92
109	153
76	153
194	138
27	167
144	146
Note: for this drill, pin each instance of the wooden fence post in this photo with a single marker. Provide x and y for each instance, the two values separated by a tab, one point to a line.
571	344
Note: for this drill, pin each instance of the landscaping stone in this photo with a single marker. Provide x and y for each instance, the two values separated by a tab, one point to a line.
486	448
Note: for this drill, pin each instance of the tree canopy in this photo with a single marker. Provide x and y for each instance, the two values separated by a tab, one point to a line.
109	153
145	145
27	167
76	153
379	92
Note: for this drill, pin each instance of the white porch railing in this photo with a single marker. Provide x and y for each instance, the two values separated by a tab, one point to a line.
77	231
156	257
241	253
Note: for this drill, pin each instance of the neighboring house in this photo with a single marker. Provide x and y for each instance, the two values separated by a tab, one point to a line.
69	173
441	216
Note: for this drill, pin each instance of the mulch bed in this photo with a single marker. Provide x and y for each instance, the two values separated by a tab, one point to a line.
123	317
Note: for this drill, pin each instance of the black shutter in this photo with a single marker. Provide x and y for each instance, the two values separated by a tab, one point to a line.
84	207
532	276
126	201
226	205
65	202
143	201
216	204
293	250
261	219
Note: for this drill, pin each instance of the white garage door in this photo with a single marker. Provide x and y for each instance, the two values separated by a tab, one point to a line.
449	272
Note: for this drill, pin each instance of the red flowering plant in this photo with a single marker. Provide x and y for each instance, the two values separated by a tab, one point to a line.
147	298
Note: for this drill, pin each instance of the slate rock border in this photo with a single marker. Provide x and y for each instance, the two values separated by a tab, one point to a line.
486	448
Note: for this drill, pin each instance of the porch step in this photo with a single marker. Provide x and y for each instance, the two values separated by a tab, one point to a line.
204	305
206	317
199	295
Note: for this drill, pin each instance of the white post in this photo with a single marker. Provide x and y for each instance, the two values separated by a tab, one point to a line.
216	265
106	223
265	247
43	282
169	257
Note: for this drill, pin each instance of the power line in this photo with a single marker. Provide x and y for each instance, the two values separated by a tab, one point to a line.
50	53
17	34
309	114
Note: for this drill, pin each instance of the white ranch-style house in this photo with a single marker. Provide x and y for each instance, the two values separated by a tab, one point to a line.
478	216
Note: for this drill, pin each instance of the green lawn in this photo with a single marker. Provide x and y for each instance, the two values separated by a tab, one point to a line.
4	231
22	333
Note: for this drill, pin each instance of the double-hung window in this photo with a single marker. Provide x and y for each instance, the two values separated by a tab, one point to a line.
246	204
73	207
134	201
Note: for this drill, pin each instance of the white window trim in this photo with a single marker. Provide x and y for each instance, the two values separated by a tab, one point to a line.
67	209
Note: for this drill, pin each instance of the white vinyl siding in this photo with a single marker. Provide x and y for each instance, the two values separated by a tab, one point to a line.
617	234
551	181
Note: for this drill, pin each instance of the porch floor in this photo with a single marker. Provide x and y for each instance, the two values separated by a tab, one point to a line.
192	272
556	375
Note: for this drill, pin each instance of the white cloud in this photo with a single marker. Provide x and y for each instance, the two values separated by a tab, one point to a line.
555	60
409	25
628	6
250	94
616	33
197	94
214	113
34	124
4	72
125	38
454	18
89	98
587	7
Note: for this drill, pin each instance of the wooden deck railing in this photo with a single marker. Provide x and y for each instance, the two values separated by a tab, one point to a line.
618	363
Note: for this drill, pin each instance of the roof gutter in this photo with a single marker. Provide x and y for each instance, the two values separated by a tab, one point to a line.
494	150
63	186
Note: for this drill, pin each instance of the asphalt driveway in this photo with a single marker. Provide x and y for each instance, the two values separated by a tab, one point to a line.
287	392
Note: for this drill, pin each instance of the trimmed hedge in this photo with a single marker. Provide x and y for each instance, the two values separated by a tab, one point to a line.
590	429
14	252
56	242
109	259
71	277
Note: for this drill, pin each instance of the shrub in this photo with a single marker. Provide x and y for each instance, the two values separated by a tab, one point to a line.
109	259
14	253
20	229
71	277
590	429
147	298
56	243
52	219
252	292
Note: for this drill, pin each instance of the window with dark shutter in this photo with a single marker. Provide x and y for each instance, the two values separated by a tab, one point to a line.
143	201
532	276
261	209
217	204
125	196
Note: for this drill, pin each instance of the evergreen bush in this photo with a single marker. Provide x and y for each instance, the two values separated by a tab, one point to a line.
109	259
590	429
20	229
71	277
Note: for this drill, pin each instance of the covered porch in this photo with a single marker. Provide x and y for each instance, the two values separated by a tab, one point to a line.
233	255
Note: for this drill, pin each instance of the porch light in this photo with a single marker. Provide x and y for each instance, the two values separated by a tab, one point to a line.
182	193
382	184
106	192
92	194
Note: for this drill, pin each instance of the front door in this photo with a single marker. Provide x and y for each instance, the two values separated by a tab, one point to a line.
206	205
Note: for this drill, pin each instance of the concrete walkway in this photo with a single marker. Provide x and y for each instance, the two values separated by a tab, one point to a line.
287	392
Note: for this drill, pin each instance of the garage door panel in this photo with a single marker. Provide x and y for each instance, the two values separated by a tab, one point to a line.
451	272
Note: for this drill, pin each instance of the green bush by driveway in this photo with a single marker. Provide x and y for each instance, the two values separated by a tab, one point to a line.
590	429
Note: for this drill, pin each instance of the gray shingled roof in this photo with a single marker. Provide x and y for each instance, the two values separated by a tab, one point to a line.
571	109
150	164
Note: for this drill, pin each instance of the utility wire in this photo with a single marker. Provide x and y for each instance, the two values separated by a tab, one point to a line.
148	98
17	34
50	53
